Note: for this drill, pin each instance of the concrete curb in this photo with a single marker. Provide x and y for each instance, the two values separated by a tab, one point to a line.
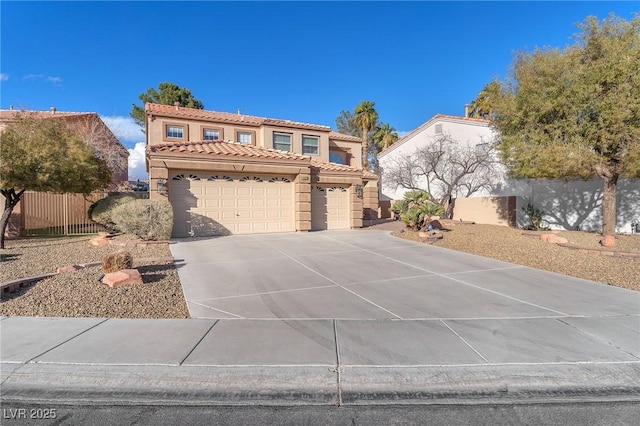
82	384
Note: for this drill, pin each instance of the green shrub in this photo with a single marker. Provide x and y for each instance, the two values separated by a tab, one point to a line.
102	210
416	209
146	219
117	261
535	218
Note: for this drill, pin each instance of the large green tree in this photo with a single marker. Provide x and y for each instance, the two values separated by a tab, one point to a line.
167	94
575	112
45	154
366	118
385	136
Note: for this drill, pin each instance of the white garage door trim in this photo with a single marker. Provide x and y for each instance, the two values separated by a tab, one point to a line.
329	207
224	203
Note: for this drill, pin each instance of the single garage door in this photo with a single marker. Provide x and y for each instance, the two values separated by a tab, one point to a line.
329	207
221	204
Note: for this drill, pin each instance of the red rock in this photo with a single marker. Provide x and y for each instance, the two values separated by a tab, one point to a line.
123	277
65	269
98	241
608	241
553	239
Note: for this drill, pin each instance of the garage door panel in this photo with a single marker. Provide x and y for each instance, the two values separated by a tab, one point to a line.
231	204
329	207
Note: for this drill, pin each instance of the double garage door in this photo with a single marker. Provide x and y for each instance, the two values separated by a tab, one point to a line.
220	204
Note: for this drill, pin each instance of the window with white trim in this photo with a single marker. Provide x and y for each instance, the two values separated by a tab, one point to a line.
282	141
244	137
310	145
210	134
176	132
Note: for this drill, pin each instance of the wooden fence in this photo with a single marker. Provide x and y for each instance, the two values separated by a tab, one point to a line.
46	214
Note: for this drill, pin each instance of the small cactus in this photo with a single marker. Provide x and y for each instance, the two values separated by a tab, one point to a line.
117	261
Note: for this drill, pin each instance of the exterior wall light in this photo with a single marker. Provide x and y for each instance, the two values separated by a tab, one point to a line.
162	189
359	192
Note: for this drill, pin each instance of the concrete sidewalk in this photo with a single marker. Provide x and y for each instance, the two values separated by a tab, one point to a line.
296	319
331	362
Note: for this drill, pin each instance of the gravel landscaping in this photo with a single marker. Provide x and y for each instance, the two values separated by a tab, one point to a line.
508	244
80	293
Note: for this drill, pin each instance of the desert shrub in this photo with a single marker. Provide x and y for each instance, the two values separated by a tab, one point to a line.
117	261
535	218
102	210
146	219
417	208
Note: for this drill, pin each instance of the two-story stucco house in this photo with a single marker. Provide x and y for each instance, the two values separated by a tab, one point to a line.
232	173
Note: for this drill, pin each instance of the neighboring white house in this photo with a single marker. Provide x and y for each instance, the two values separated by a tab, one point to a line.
572	204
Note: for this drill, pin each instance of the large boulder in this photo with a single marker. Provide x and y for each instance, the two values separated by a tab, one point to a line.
122	278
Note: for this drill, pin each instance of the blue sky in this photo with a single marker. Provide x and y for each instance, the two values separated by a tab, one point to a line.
302	61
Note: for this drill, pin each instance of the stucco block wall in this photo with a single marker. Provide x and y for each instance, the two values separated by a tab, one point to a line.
486	210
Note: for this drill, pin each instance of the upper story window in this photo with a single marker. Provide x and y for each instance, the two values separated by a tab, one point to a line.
282	141
337	158
310	145
176	132
210	134
244	137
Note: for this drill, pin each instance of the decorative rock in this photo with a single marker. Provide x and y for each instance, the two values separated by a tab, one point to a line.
553	239
435	224
99	241
423	234
71	268
123	277
608	241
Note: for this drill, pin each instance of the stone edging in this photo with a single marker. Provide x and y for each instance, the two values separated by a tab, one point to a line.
600	250
13	285
604	251
136	243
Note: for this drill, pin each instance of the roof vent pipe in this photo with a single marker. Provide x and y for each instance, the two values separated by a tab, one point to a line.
53	110
176	104
466	110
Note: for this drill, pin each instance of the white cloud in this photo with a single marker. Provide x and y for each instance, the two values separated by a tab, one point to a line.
4	77
403	133
124	128
137	169
32	77
54	80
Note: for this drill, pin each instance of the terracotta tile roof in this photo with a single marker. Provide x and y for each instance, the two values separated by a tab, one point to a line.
232	149
427	124
226	117
333	167
343	137
10	114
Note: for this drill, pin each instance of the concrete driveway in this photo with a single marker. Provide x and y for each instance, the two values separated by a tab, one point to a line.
341	318
365	274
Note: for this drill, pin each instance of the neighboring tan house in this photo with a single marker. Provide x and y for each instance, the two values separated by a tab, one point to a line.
67	213
91	129
230	173
570	204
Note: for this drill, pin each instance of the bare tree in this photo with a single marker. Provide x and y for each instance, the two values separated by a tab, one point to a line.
446	168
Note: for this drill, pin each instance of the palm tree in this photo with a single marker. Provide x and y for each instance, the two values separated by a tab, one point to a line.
482	105
365	117
385	135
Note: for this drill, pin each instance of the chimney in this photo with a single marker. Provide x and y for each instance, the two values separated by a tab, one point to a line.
53	110
466	110
177	105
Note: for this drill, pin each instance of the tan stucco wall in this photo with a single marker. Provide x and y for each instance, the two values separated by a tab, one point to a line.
486	210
